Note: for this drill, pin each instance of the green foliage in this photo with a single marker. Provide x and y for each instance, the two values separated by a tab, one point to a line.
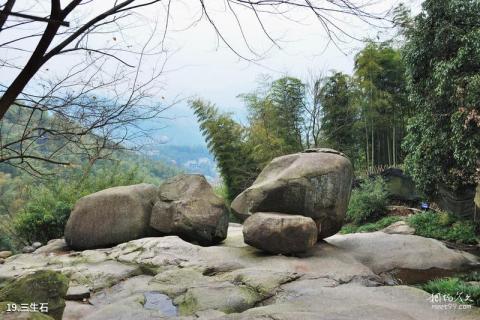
274	129
370	227
381	98
226	140
5	243
42	285
443	226
48	208
34	208
221	191
368	202
264	143
472	276
442	55
287	95
276	119
456	288
339	114
43	220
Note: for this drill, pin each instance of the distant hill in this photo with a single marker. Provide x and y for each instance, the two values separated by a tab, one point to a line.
191	159
13	125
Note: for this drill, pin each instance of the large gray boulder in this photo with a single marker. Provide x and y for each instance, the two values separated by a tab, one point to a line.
315	183
111	216
280	233
189	208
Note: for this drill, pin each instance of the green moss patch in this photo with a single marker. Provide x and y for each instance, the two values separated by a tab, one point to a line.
43	286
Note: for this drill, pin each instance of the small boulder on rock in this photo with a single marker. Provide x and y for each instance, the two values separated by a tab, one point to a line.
78	292
280	233
28	249
189	208
36	245
315	183
5	254
53	246
110	217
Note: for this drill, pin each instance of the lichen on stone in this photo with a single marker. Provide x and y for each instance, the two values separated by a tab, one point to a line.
43	286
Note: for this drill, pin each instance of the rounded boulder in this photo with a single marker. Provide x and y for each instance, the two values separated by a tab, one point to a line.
280	233
188	207
315	183
111	216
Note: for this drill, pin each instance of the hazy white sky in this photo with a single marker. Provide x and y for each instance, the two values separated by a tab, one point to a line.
200	66
216	74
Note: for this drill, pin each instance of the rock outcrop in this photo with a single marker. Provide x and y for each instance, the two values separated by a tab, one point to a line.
315	183
232	281
384	252
399	227
400	186
169	278
184	205
189	208
111	216
280	233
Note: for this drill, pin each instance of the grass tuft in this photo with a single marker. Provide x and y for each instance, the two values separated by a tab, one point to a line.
370	227
443	226
461	291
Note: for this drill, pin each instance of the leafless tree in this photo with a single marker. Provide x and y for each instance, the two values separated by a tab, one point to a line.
88	114
89	109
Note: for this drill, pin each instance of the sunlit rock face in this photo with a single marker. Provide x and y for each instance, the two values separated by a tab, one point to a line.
315	183
111	216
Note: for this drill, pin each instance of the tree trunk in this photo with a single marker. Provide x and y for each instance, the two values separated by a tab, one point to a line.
373	146
5	12
394	146
34	64
366	141
388	150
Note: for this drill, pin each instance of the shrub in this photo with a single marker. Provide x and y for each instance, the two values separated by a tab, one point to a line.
443	226
456	288
370	227
5	243
368	202
43	220
472	276
46	213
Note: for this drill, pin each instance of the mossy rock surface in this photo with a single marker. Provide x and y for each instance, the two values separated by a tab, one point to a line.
226	298
43	286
